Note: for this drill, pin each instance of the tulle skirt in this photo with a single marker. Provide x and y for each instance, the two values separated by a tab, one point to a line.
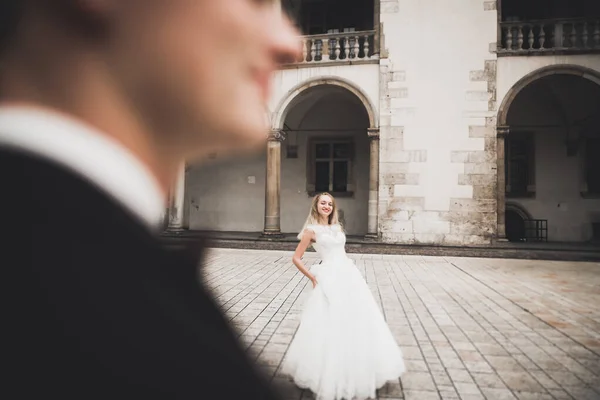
343	348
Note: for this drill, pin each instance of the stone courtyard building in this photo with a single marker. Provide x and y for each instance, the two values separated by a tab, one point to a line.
432	121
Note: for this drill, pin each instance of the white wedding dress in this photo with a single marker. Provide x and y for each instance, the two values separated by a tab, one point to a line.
343	348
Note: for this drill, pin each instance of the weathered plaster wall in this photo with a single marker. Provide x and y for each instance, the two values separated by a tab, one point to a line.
227	195
437	101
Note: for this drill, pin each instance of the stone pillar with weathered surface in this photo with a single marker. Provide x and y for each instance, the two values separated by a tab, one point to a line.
177	203
501	133
273	184
373	206
377	27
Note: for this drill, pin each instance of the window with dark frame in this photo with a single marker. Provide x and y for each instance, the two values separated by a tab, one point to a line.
592	165
520	164
291	151
331	165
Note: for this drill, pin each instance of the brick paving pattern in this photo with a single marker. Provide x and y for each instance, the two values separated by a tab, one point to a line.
469	328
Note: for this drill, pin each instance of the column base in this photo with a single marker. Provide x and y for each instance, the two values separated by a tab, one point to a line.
372	236
175	230
271	235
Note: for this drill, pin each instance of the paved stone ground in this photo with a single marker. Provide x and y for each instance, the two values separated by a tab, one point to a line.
470	328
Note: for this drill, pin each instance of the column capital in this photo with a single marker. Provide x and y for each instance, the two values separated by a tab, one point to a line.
502	131
276	135
373	133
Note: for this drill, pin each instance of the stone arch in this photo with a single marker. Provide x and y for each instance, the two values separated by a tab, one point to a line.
286	104
515	220
503	129
517	208
566	69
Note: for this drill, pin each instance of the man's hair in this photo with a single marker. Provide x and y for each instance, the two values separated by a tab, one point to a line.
10	14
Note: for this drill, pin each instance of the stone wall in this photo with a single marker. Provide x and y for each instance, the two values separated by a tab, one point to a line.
438	102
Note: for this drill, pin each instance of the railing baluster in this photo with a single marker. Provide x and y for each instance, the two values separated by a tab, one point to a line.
541	36
347	46
333	47
325	49
573	35
305	49
337	48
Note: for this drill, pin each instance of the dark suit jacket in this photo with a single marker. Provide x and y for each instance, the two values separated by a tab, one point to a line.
94	308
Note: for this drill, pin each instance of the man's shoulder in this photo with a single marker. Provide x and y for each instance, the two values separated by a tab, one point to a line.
22	168
45	196
59	221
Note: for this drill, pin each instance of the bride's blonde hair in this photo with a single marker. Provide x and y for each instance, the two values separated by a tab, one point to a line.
313	214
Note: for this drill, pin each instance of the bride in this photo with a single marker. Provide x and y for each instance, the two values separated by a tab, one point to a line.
343	348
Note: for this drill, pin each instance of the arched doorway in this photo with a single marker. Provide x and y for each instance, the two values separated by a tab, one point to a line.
326	150
516	219
326	140
550	137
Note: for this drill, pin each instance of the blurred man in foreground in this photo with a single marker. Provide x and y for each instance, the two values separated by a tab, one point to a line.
100	102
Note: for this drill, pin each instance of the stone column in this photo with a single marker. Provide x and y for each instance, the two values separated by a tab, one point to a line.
177	203
501	133
273	184
373	183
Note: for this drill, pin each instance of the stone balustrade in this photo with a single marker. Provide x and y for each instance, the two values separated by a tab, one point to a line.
338	47
565	35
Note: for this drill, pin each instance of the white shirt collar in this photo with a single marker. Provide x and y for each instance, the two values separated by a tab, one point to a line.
86	151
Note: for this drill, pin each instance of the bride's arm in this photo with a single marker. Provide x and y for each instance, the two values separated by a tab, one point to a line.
307	238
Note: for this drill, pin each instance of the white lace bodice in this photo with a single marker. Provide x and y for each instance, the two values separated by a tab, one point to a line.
329	241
